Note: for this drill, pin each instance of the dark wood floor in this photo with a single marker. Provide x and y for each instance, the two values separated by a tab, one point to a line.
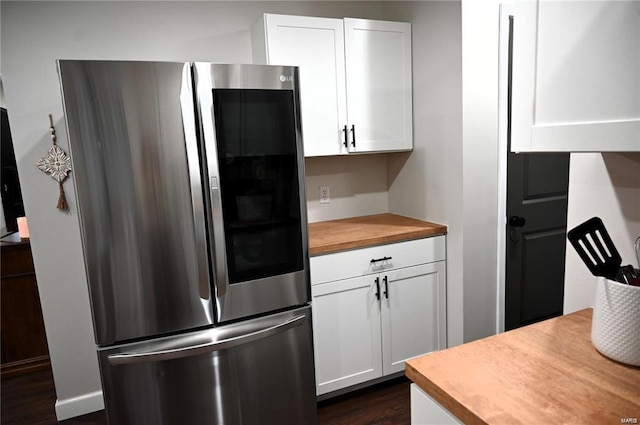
29	400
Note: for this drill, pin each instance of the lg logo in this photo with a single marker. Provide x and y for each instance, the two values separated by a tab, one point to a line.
284	78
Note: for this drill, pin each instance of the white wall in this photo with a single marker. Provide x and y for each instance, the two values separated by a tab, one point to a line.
427	184
451	175
34	35
357	186
606	185
480	28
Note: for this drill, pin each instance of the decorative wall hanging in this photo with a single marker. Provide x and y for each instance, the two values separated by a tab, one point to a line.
57	165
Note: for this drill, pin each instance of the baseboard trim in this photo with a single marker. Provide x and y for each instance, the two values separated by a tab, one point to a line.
80	405
22	367
360	386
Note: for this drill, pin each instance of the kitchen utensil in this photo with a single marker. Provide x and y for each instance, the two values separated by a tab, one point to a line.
626	274
594	245
636	245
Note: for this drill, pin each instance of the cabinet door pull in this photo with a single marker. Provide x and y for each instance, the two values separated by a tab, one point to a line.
377	260
378	288
353	135
346	136
386	287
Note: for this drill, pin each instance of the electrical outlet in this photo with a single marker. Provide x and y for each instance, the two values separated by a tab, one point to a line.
325	198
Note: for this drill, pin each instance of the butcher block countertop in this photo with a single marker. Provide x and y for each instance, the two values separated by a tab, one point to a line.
338	235
545	373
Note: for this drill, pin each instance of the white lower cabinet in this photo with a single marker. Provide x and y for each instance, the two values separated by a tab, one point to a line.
365	327
412	314
346	332
426	411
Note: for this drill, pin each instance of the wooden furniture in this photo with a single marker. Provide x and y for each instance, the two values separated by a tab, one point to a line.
576	76
355	78
375	307
23	339
548	372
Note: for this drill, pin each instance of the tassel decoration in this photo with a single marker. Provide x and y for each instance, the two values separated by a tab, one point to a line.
57	165
62	199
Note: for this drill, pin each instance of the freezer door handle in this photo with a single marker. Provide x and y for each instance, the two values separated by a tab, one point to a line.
185	349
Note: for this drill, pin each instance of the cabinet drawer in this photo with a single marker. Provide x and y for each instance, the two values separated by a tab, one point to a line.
357	262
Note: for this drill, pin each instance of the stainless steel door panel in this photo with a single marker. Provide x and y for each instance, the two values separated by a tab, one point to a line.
268	293
260	373
132	137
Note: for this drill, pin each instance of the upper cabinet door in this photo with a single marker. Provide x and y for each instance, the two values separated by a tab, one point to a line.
379	99
355	80
576	76
316	45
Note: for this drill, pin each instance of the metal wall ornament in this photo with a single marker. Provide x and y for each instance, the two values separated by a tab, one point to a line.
57	165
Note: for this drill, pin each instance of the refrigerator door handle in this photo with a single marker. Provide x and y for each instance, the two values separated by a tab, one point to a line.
193	161
193	350
204	101
220	250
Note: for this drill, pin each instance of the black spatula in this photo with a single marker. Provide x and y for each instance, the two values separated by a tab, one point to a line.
594	245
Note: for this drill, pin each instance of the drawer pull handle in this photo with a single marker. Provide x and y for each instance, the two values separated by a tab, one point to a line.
346	137
386	287
378	288
353	135
377	260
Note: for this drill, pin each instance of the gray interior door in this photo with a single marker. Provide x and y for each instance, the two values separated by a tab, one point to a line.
537	187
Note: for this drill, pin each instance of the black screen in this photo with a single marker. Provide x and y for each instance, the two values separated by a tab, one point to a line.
257	159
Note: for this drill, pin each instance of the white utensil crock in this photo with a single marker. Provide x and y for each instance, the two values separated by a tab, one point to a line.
615	329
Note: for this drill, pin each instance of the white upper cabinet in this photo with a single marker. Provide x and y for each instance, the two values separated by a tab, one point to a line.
355	80
316	45
379	98
576	76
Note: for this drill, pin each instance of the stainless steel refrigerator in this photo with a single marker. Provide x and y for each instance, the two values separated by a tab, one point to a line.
190	191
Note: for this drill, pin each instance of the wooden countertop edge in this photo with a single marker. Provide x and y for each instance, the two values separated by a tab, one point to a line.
344	234
373	241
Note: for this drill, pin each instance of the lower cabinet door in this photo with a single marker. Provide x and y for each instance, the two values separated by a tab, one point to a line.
413	313
346	332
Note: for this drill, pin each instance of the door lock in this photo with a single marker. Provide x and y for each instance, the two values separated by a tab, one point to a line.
517	221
